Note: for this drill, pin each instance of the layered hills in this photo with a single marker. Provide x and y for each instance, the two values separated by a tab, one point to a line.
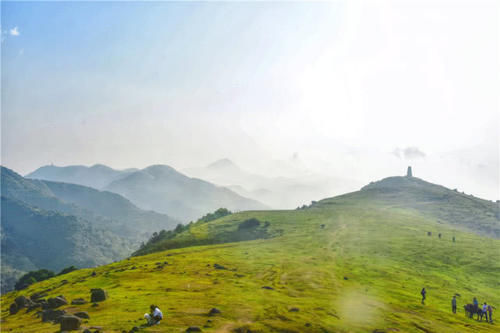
352	263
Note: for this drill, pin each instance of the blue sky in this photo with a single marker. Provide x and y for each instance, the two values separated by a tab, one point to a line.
341	85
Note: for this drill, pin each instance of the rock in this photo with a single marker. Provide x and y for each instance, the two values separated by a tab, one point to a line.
82	314
33	306
134	329
22	302
52	315
93	273
57	302
268	288
70	322
78	301
193	329
308	324
217	266
98	295
13	308
346	278
293	310
87	331
213	312
94	305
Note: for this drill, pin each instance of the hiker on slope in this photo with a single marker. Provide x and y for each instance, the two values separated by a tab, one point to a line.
454	304
423	293
155	316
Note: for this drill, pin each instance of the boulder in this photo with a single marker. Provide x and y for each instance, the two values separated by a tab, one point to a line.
268	288
193	329
57	302
70	322
217	266
293	310
22	302
52	315
13	308
78	301
213	312
82	314
98	295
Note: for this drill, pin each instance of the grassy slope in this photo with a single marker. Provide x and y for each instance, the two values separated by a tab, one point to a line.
383	251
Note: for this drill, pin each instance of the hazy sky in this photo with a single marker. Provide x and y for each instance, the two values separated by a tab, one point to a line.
347	89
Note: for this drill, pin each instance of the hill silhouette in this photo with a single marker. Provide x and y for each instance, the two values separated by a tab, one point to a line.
165	190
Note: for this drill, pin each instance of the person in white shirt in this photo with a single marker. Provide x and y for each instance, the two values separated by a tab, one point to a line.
155	316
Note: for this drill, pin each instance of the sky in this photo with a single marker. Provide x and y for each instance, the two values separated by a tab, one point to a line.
356	90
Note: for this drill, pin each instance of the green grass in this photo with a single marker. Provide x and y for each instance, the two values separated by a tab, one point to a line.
382	250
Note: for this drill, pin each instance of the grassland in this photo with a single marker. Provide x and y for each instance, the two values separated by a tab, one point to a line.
361	271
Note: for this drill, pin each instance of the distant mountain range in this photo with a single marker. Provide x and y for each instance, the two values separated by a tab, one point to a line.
276	192
159	187
163	189
96	176
50	225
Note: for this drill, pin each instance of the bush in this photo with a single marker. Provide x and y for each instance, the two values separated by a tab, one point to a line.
249	224
32	277
67	270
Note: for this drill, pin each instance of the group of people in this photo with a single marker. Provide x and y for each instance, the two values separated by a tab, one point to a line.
486	310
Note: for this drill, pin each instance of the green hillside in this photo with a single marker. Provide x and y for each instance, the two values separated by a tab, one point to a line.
354	263
34	238
110	225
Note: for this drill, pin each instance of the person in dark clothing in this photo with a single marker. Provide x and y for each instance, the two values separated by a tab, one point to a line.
423	293
454	304
490	311
476	304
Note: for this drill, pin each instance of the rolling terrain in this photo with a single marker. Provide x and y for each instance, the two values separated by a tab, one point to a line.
352	263
53	225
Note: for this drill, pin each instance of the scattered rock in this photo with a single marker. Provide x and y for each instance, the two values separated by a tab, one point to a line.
213	312
217	266
70	322
89	331
98	295
95	305
78	301
294	310
193	329
322	226
52	315
134	329
308	324
93	273
82	314
57	302
346	278
268	288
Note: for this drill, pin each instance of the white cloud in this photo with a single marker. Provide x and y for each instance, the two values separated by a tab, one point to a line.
14	31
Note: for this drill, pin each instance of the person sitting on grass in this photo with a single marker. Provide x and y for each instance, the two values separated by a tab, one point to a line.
155	316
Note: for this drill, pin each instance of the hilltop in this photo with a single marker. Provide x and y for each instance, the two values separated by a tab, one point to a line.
352	263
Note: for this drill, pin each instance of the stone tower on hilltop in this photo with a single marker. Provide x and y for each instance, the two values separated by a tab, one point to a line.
408	172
